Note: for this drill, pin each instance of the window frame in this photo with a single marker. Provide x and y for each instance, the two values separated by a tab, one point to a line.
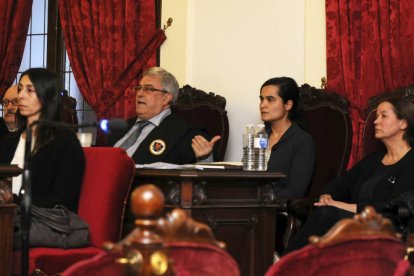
55	60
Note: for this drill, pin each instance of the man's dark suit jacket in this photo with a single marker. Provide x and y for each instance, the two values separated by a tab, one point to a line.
176	134
3	128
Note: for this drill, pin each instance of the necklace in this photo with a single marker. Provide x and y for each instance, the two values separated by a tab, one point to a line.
394	159
12	130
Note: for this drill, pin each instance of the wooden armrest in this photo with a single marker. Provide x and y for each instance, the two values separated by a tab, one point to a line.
282	204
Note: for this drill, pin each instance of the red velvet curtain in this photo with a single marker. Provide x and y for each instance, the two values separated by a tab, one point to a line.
109	43
14	22
370	49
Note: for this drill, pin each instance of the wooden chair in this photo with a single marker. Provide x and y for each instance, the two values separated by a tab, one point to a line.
365	245
327	119
205	110
369	143
69	114
160	246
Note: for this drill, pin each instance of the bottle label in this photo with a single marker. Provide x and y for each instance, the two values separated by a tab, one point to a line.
260	143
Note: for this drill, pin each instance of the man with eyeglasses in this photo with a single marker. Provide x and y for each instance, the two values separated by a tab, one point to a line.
10	105
157	134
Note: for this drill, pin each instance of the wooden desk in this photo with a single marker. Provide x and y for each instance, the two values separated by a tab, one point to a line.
6	217
239	206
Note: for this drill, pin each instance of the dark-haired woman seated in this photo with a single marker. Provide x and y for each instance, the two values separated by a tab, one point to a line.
57	163
375	180
292	148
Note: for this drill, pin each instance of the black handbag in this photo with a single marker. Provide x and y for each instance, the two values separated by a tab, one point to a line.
54	227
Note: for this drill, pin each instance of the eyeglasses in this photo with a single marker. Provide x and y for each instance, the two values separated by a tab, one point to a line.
148	88
14	102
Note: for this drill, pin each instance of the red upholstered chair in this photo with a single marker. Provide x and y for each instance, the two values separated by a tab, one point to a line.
188	259
365	245
108	177
201	259
101	264
190	245
193	248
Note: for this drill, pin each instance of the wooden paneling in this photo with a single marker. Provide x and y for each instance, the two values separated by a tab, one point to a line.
239	207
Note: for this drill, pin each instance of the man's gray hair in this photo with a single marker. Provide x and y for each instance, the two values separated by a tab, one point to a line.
169	82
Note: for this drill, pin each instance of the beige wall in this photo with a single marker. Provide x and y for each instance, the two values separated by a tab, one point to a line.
231	47
315	42
174	52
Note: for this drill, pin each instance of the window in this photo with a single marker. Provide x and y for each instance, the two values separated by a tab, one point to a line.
45	33
45	48
35	51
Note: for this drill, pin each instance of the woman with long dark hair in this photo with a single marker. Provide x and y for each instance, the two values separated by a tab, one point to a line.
57	162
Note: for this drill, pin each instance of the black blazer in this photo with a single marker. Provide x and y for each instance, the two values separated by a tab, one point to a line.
3	128
398	179
176	134
293	155
56	169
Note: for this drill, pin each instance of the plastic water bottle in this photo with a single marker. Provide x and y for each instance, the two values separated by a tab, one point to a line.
248	148
261	140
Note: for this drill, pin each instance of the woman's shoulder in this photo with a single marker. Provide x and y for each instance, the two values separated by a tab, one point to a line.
410	154
370	161
408	160
65	144
300	134
375	156
64	139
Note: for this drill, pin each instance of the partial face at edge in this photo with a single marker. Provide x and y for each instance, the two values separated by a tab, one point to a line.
9	112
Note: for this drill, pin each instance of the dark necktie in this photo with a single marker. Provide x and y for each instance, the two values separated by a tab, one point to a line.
134	136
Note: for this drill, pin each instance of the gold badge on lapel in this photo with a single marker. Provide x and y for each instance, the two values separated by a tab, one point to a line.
157	147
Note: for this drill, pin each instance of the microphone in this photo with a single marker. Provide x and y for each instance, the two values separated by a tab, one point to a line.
106	125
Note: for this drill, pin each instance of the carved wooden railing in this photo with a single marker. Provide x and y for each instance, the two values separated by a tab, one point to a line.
144	250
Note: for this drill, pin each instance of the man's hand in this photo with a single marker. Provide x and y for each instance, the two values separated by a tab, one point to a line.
202	147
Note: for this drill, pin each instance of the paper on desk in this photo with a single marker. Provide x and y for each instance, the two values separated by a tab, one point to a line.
222	163
197	166
225	165
159	165
167	166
